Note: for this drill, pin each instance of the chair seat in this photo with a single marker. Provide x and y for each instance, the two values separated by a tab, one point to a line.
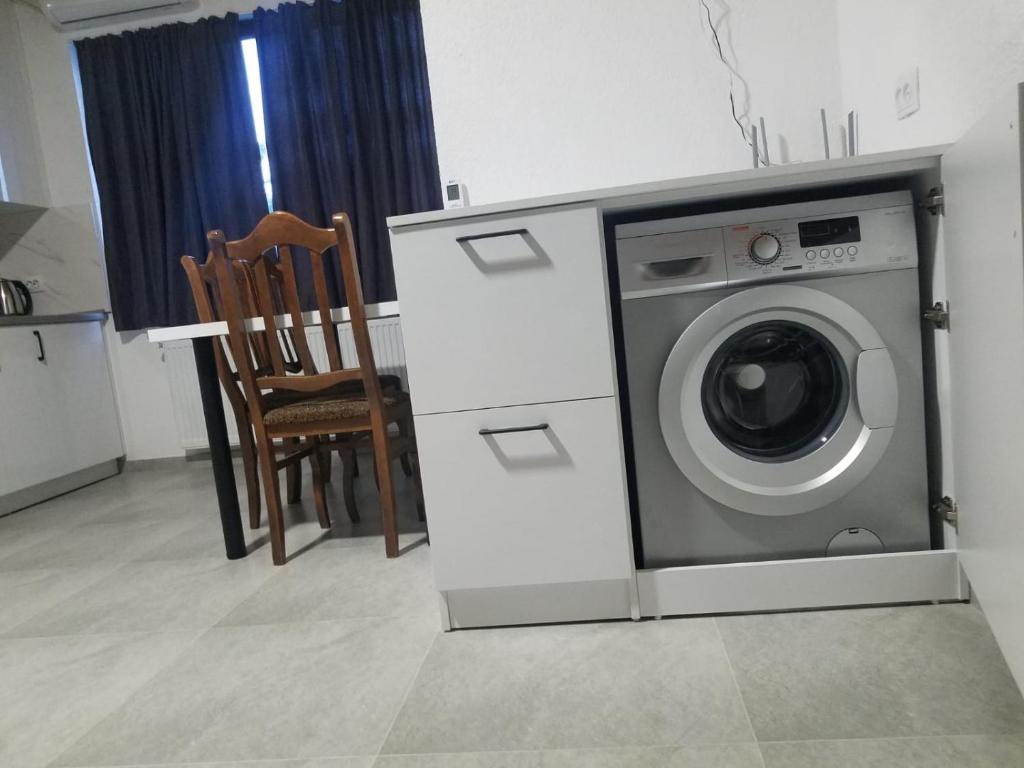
285	409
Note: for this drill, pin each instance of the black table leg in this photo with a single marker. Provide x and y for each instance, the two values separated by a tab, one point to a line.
220	448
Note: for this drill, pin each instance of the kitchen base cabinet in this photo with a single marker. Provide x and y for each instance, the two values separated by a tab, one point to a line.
60	428
526	495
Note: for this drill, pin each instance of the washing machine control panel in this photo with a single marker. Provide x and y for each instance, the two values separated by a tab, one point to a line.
784	242
866	240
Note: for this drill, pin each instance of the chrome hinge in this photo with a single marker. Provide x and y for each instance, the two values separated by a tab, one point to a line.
938	315
934	202
948	510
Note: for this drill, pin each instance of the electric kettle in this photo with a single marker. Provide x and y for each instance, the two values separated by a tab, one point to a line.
15	298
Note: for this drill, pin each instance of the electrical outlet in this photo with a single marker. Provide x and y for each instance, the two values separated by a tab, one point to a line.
907	94
34	284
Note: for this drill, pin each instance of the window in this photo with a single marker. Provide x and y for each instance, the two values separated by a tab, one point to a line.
252	72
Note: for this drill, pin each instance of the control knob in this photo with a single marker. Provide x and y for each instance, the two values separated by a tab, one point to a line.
764	248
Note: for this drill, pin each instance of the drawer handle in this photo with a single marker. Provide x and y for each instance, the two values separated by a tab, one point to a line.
486	235
42	350
506	430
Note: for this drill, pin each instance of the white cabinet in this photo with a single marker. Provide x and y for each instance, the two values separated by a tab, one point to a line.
504	310
538	499
507	328
59	416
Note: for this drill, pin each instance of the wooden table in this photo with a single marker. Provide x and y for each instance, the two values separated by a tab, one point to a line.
202	336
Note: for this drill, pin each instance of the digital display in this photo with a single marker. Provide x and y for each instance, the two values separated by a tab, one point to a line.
829	231
452	191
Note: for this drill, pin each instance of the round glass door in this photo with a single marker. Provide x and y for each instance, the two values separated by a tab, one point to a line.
775	391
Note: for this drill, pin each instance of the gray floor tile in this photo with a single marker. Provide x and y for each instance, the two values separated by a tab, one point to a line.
16	534
326	762
931	752
335	580
872	673
275	691
588	685
26	594
55	689
185	594
93	543
705	756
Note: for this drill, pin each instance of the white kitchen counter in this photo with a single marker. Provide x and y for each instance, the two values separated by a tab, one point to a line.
774	179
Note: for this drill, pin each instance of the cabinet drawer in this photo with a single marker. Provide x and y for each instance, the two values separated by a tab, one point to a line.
525	507
505	310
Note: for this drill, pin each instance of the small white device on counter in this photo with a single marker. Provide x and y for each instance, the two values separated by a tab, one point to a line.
455	195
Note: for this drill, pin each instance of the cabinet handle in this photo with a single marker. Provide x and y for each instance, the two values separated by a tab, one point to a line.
506	430
487	235
42	350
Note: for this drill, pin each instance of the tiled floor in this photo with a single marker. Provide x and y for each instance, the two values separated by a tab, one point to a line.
127	639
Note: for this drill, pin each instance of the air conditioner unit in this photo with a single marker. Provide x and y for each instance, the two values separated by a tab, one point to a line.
78	14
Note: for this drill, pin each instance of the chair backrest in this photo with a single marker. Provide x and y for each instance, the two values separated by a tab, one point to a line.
266	258
201	280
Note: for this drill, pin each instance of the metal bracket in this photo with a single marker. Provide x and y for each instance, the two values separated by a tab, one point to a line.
948	510
938	315
935	201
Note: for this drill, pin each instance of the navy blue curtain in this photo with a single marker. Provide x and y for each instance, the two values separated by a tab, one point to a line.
174	153
349	124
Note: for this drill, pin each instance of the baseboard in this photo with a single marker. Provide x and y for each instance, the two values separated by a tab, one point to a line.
538	604
825	582
35	494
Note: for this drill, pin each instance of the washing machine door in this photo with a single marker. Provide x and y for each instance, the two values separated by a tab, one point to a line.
778	400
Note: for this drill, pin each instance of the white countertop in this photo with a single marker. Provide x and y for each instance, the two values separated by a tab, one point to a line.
200	330
776	178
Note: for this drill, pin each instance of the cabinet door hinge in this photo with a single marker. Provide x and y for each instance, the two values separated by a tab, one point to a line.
947	509
934	202
938	315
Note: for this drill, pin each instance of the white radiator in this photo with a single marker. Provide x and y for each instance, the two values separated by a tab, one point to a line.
388	352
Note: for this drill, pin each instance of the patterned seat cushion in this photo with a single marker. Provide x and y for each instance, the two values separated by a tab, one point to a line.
289	409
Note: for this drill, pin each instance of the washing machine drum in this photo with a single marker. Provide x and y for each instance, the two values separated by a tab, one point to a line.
778	400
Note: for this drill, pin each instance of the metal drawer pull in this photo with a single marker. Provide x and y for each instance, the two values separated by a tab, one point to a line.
42	351
506	430
487	235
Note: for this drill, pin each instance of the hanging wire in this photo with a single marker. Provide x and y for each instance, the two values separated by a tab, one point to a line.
732	72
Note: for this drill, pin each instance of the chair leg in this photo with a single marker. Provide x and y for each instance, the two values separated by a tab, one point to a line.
417	481
385	490
294	474
327	462
348	482
405	429
316	461
252	477
272	493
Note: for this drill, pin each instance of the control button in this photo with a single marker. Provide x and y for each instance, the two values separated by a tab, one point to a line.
811	255
825	253
765	248
837	251
852	250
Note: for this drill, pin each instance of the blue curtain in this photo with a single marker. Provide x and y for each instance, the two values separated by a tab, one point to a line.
349	124
174	153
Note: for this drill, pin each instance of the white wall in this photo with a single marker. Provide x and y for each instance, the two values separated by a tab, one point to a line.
968	53
20	157
534	97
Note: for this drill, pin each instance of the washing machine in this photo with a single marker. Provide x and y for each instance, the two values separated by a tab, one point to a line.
774	377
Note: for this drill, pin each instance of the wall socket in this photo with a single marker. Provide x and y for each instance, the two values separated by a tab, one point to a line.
34	284
907	94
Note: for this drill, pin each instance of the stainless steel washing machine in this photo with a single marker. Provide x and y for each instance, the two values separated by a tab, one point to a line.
773	362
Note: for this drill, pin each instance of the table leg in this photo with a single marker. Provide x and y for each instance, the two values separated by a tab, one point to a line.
220	448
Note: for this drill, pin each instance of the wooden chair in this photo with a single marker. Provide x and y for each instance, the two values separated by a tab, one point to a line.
201	280
334	409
